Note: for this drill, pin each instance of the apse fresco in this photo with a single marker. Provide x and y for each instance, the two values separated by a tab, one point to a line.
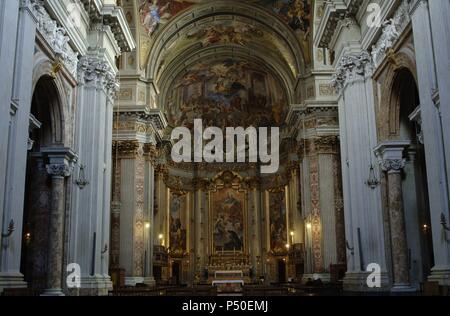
177	223
227	93
278	224
228	220
153	13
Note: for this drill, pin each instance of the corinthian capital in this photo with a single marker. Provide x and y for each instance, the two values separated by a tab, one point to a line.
351	67
94	71
59	170
392	165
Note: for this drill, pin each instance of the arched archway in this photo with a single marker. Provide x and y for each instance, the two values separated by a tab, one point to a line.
45	132
405	108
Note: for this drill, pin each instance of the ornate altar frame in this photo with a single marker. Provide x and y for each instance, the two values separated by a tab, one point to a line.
279	187
177	188
227	180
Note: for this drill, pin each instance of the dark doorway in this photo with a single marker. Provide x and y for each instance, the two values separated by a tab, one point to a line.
281	271
44	131
415	185
176	272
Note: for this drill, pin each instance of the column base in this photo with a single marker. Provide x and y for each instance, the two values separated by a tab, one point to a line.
357	282
132	281
98	285
324	277
12	281
150	281
441	275
403	288
53	292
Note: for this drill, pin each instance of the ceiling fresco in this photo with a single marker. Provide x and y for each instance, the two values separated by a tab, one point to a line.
228	31
226	92
155	14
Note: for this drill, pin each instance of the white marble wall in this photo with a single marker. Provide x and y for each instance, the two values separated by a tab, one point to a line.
26	28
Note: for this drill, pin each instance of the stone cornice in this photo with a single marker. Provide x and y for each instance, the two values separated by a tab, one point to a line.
114	17
334	12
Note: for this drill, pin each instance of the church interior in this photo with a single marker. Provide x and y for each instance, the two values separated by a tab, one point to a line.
93	203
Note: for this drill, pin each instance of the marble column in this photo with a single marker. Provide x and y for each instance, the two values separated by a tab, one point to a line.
58	172
393	162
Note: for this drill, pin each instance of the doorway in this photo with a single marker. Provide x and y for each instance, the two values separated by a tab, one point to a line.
281	271
176	272
45	131
414	181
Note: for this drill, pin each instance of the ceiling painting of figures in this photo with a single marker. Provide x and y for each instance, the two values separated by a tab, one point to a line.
225	93
155	14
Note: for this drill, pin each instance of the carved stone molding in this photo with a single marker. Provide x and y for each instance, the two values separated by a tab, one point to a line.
392	29
128	148
327	144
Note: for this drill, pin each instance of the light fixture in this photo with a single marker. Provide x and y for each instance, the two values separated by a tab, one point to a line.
147	225
161	236
292	234
372	181
288	246
308	225
81	181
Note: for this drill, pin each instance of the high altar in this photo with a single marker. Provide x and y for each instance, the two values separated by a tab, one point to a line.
229	229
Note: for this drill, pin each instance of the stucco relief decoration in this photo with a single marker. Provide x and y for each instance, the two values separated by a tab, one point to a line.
392	29
54	35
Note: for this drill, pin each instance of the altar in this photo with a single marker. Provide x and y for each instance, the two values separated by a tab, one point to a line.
229	281
229	272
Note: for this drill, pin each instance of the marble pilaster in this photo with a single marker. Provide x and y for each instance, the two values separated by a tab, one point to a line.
17	98
430	28
89	238
364	230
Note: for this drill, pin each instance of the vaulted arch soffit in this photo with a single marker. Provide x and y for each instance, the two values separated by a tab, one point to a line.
201	25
